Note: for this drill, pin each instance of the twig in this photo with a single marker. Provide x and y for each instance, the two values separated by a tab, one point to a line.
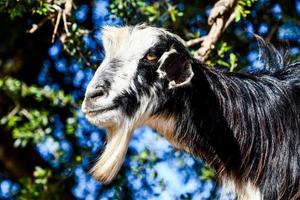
67	12
62	38
29	117
230	19
271	33
63	13
35	27
14	111
218	24
65	23
68	7
194	41
56	24
26	114
84	58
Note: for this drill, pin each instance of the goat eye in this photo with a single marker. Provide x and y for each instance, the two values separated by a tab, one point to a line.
151	57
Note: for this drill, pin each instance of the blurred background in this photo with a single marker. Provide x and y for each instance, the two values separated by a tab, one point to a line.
49	50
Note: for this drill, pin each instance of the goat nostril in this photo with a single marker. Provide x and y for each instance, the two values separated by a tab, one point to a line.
97	93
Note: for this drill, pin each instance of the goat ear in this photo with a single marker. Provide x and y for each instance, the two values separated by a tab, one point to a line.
176	68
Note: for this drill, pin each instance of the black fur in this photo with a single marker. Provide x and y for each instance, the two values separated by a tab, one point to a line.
247	126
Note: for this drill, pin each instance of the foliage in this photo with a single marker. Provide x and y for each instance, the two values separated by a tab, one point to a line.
241	10
20	8
138	10
38	187
30	124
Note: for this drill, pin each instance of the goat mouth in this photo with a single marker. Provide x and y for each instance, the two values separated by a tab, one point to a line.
99	110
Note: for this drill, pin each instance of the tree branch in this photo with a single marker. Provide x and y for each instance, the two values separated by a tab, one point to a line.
195	41
219	10
218	23
35	27
68	7
62	14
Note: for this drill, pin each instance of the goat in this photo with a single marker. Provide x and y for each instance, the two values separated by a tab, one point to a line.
246	126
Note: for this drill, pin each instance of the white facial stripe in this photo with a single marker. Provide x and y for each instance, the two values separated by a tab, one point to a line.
129	44
141	41
113	37
129	48
123	78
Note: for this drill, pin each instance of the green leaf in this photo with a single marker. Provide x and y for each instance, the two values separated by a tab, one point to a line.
207	173
223	63
233	62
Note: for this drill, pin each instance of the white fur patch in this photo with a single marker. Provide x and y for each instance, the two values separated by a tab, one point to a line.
114	154
247	191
